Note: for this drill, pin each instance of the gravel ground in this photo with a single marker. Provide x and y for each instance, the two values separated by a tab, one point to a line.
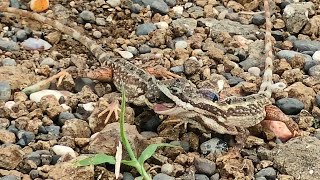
206	41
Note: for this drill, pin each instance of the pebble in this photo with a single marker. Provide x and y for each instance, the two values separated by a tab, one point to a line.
318	100
127	176
162	176
157	6
288	54
63	116
5	90
214	145
36	96
8	62
290	106
49	62
97	34
204	166
15	4
10	177
35	157
178	10
136	8
306	45
63	150
35	44
133	50
8	45
162	25
177	69
316	56
101	21
126	54
114	3
53	130
87	16
184	144
201	177
167	168
144	49
21	35
268	173
310	64
34	174
171	3
216	176
81	82
258	19
181	45
314	71
25	137
254	71
145	29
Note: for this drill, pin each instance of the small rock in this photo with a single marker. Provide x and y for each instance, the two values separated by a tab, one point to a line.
97	34
205	166
25	137
21	35
35	157
8	45
288	55
177	69
201	177
125	54
306	45
101	21
216	176
136	8
181	44
76	128
162	176
49	62
11	156
318	100
145	29
8	62
159	6
144	49
162	25
114	3
191	66
81	82
36	97
171	2
63	150
63	116
7	137
290	106
167	168
35	44
254	71
310	64
214	145
258	19
127	176
178	10
15	4
87	16
316	56
268	173
315	71
5	91
10	177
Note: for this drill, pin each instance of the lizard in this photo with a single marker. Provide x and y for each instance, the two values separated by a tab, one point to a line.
222	117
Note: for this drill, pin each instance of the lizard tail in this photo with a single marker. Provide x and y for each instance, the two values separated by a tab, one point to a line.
266	85
96	50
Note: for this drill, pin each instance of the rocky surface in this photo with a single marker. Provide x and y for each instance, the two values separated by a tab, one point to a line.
210	42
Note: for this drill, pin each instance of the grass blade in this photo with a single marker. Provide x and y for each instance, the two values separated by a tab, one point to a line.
150	150
97	159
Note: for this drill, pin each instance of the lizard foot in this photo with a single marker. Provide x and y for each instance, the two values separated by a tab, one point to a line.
111	108
60	77
185	123
161	72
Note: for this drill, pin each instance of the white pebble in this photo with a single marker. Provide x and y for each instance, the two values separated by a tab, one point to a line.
220	84
181	45
114	3
316	56
36	97
162	25
178	10
36	44
63	150
97	34
254	71
278	86
125	54
89	106
9	104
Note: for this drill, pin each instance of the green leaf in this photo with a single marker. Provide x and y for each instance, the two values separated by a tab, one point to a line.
138	178
150	150
97	159
131	163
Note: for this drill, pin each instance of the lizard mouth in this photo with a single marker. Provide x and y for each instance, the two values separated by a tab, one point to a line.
167	109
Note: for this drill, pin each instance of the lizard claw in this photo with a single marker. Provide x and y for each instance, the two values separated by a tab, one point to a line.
111	108
60	77
161	72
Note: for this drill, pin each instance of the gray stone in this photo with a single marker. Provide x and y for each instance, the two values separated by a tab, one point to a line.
171	3
306	45
101	21
258	19
49	62
288	55
35	157
216	176
15	4
87	16
8	45
145	29
81	82
201	177
144	49
315	71
158	6
268	173
162	176
10	177
8	62
21	35
214	145
5	91
290	106
204	166
136	8
127	176
309	64
318	100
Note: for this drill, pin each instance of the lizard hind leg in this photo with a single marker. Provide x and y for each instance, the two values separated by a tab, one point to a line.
113	107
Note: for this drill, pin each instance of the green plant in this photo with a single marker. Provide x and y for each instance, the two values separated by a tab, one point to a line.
133	162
